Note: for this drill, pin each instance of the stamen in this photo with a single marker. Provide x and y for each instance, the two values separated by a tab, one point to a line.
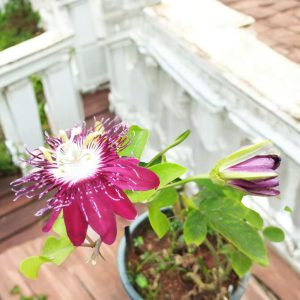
47	154
63	136
99	127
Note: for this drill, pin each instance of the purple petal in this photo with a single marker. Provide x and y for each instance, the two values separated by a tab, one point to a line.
119	202
128	176
75	222
47	227
100	217
259	163
264	192
257	187
266	183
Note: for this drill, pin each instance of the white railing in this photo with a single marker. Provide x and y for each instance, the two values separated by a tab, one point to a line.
69	57
47	55
188	65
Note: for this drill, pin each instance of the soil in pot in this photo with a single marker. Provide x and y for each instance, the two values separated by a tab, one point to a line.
166	268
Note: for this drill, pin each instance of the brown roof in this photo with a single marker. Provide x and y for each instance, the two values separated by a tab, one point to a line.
277	23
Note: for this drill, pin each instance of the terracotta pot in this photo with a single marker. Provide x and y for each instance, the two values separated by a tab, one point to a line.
136	229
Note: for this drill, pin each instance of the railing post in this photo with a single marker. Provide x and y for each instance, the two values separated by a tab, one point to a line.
87	22
19	115
64	105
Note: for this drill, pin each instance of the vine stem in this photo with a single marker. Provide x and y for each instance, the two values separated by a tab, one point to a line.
183	181
216	260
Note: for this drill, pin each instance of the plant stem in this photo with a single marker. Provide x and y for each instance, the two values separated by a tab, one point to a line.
172	145
181	182
216	260
128	238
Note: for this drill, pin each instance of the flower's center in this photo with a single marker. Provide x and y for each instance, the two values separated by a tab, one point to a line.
76	161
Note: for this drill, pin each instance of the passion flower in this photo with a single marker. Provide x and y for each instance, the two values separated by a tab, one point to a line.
86	178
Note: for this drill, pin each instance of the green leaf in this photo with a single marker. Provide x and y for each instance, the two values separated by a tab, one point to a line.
158	220
166	172
16	290
210	190
241	235
164	198
241	264
30	266
273	234
59	226
217	206
176	142
226	216
254	219
138	138
57	250
195	228
141	281
288	209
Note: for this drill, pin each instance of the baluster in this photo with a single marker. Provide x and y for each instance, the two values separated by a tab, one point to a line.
87	22
64	105
19	115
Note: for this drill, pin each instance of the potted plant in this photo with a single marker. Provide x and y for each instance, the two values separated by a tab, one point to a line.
198	245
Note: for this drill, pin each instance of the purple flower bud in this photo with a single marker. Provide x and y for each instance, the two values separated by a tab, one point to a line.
248	171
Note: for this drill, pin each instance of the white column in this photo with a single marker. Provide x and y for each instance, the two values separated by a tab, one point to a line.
87	22
19	115
64	104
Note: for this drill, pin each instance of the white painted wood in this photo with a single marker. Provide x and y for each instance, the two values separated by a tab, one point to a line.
86	21
168	74
19	115
7	121
64	104
32	56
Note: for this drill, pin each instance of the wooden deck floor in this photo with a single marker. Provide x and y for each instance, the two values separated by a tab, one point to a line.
21	236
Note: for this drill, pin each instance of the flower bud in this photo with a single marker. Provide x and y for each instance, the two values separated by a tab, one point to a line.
251	169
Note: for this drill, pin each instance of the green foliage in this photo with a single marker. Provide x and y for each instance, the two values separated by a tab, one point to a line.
195	228
55	250
158	220
241	264
227	216
138	242
141	281
273	234
288	209
41	100
6	164
138	138
158	157
166	172
254	219
18	23
16	291
30	266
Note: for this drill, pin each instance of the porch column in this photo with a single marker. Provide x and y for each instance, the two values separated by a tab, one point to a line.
64	104
19	115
